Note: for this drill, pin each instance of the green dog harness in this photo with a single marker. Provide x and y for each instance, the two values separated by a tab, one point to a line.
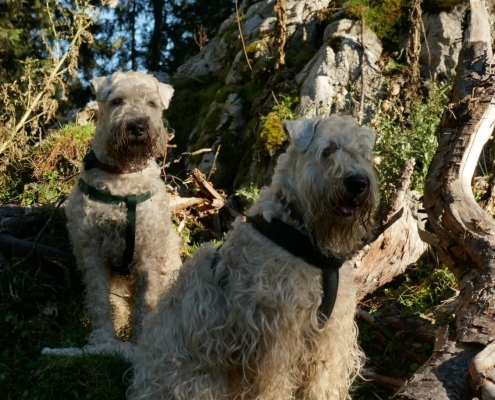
131	202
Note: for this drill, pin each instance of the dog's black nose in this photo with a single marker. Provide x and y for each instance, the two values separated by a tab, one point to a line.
137	128
356	184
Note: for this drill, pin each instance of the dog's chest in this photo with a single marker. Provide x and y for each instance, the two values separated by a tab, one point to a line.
110	221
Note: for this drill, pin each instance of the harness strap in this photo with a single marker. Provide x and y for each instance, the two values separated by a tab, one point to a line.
301	246
131	203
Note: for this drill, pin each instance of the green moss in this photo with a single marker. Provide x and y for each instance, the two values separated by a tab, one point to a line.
271	135
387	18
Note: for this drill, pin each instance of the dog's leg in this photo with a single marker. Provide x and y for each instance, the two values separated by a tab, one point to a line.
96	281
147	287
338	360
153	272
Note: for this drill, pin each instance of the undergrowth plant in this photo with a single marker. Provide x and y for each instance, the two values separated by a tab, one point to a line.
401	136
271	134
31	102
387	18
425	286
48	170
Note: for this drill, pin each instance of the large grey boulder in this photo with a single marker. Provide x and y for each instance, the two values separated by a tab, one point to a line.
441	43
326	81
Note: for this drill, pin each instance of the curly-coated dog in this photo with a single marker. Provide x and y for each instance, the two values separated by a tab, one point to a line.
270	314
118	214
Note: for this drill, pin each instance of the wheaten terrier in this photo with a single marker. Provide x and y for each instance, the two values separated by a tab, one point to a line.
251	319
118	214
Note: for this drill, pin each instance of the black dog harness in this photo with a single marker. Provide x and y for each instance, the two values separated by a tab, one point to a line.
131	203
301	246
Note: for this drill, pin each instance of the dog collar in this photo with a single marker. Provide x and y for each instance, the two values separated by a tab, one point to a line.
301	246
131	202
90	161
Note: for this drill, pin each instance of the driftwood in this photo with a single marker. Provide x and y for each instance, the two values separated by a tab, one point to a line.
464	233
396	245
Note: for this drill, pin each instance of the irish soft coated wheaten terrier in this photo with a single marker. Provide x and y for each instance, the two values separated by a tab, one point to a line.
261	317
118	214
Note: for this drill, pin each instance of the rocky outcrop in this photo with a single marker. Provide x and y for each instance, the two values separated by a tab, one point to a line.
441	43
336	67
328	81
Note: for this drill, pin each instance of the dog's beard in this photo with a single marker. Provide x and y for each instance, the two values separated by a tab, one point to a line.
134	152
337	222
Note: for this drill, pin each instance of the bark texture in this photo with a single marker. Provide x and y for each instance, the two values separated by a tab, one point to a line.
397	243
464	233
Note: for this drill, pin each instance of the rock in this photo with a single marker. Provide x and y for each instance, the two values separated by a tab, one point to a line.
210	61
337	65
80	116
230	125
440	51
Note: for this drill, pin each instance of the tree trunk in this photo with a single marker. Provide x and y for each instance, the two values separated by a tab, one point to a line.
154	53
465	234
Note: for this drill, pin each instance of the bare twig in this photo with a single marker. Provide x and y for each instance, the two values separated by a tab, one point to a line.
382	380
187	153
213	166
275	98
200	37
414	45
242	37
187	76
280	35
363	88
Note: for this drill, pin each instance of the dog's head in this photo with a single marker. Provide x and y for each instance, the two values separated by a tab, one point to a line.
330	177
130	125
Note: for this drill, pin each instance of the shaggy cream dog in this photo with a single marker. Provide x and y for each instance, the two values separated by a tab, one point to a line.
250	320
118	214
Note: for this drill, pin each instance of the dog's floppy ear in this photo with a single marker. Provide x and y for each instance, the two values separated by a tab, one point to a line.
99	86
300	132
166	92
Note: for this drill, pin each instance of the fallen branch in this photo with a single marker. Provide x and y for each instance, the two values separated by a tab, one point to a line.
382	380
204	186
25	246
396	244
181	203
187	154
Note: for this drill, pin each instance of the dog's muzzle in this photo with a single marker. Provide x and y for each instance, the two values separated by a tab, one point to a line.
137	129
355	186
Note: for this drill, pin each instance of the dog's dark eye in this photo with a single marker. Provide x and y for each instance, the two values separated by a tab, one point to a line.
329	150
117	101
152	104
